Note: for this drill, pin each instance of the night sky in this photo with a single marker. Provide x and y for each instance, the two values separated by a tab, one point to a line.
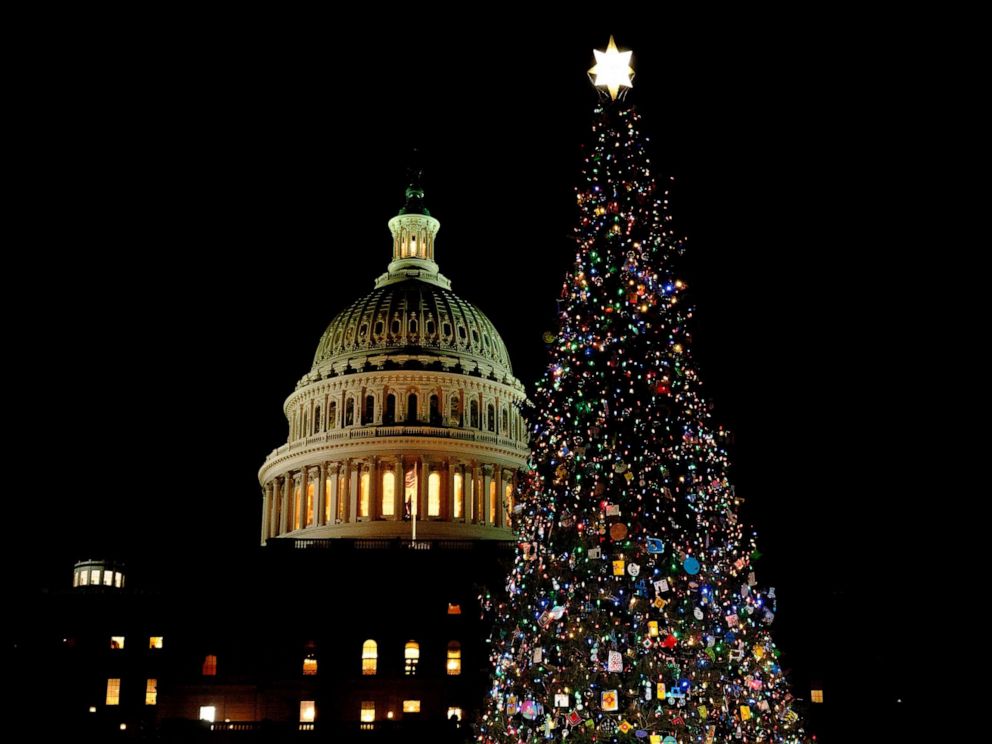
193	210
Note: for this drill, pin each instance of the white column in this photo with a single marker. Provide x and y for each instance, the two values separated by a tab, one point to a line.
422	487
335	475
284	511
487	479
498	474
399	489
452	467
468	493
266	501
318	512
352	486
304	483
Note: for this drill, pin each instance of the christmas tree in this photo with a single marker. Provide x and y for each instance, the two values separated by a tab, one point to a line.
632	609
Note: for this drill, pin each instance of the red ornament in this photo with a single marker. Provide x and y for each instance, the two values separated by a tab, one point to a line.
669	642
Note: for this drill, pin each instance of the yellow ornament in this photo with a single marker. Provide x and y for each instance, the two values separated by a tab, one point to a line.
745	713
618	568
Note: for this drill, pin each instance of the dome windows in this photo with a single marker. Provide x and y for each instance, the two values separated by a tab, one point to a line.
380	326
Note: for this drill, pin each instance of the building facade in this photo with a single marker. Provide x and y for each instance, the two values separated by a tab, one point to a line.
383	516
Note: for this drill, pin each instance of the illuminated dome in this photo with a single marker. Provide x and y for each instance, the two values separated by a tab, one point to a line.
414	318
408	421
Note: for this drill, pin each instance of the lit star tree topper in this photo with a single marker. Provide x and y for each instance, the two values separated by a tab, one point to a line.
612	69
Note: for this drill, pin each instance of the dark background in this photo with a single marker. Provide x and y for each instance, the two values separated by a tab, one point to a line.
195	201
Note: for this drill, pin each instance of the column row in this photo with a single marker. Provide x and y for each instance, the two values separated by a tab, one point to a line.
388	488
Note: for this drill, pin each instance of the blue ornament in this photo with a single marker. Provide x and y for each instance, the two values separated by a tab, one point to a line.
655	545
691	566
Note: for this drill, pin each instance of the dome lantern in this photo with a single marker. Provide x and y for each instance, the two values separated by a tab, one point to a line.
413	232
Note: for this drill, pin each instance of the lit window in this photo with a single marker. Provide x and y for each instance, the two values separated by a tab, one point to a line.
454	608
155	642
454	659
95	576
456	712
492	502
118	579
309	666
108	578
363	494
151	692
117	642
434	495
310	499
113	692
507	504
816	696
210	666
370	656
459	497
368	711
411	656
84	578
411	706
208	713
308	711
388	493
75	578
327	500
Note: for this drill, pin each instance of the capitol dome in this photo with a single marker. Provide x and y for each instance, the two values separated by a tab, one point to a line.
408	423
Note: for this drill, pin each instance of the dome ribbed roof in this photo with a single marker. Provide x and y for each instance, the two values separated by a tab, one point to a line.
413	317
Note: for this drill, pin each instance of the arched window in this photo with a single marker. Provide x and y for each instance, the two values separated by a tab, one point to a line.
349	412
454	659
434	495
368	412
379	327
363	330
429	327
504	423
363	493
411	657
413	326
461	332
435	413
475	337
459	497
316	420
456	411
332	415
395	326
491	417
306	424
446	330
389	415
411	407
389	494
473	414
370	657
